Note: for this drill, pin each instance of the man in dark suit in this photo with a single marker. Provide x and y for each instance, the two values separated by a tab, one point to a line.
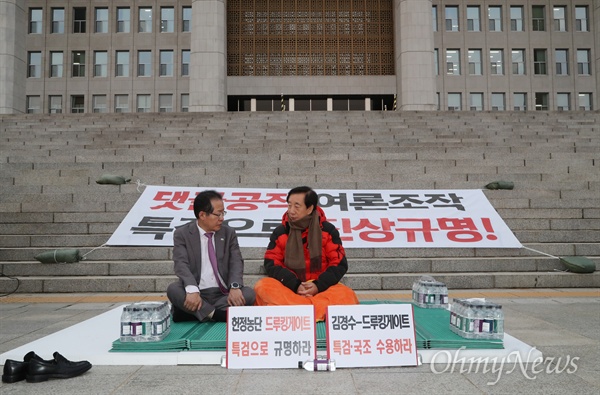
209	265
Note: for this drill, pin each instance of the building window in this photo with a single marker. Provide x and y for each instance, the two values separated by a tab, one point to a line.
476	101
498	101
35	21
34	64
56	64
539	62
473	19
585	102
583	61
434	18
100	64
121	103
453	61
496	61
518	61
166	64
581	19
185	102
541	101
123	20
34	104
77	104
560	18
79	19
516	18
451	18
186	19
562	61
58	20
99	103
78	64
563	101
167	19
122	65
55	104
436	61
538	21
495	18
165	103
475	62
145	20
454	101
364	29
143	103
520	101
185	62
144	63
101	20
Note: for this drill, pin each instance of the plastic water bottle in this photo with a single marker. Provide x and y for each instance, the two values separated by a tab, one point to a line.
158	322
469	321
499	320
136	324
429	293
456	316
166	314
488	323
146	323
443	296
318	365
415	291
126	324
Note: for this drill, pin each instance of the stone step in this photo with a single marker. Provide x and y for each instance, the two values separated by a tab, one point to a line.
105	253
51	163
462	265
369	282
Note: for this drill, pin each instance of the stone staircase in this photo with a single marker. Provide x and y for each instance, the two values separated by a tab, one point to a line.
49	199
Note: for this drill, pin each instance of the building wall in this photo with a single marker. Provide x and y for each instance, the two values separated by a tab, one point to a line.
12	56
507	40
111	42
208	82
415	83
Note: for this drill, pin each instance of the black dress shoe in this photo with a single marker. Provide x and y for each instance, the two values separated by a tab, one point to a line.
220	316
59	368
16	370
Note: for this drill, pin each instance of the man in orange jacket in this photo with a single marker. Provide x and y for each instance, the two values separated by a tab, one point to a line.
305	259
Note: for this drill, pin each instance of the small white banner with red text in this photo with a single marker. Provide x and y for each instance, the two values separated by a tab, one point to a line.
371	335
267	337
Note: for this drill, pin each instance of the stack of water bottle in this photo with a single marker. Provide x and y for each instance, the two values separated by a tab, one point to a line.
429	293
477	319
145	322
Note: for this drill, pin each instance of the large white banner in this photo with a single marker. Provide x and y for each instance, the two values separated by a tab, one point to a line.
364	218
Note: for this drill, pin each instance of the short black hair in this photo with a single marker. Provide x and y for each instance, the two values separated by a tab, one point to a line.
202	202
310	198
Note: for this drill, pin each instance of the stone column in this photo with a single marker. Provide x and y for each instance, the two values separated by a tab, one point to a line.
595	25
13	56
208	57
415	76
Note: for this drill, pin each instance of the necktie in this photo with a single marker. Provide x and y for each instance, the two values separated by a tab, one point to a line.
213	262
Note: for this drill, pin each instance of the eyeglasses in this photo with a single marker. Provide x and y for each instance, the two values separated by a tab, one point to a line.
222	215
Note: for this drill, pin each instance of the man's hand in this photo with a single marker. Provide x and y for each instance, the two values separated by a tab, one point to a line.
236	298
193	301
307	288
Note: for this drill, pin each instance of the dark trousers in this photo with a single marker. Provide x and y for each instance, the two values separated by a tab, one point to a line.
212	299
